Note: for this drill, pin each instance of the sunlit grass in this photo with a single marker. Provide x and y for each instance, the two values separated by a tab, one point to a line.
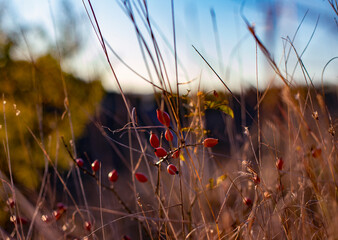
273	179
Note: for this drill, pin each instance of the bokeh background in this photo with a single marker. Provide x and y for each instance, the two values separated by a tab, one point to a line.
215	28
52	64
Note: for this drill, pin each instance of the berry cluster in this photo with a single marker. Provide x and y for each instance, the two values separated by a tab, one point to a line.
159	151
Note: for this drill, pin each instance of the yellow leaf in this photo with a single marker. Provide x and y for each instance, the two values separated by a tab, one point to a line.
221	179
211	184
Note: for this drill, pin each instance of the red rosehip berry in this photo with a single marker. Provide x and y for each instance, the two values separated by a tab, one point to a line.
113	176
247	201
279	187
163	117
57	214
210	142
154	141
256	179
79	162
279	163
11	202
21	220
160	152
168	135
141	177
172	169
87	225
316	152
176	154
45	218
95	165
125	237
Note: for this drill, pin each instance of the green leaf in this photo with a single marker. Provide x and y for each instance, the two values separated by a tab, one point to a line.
219	105
227	110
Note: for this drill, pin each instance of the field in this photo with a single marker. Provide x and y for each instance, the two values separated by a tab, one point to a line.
77	162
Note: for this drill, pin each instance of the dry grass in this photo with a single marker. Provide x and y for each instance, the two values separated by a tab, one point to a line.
277	181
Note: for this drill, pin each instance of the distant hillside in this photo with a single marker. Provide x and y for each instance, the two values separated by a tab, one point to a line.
112	116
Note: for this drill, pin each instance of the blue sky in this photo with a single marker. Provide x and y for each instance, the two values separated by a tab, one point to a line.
236	60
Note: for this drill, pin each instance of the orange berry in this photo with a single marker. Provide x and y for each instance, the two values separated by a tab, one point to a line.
141	177
210	142
160	152
113	176
172	169
154	141
163	117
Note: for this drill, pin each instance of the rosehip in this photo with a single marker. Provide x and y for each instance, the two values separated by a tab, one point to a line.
45	218
87	225
267	194
21	220
279	163
247	201
176	154
172	169
210	142
316	152
141	177
11	202
113	176
168	135
256	179
125	237
163	117
57	214
154	142
79	162
95	165
160	152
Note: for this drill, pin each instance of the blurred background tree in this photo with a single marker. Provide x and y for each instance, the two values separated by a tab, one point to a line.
34	90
